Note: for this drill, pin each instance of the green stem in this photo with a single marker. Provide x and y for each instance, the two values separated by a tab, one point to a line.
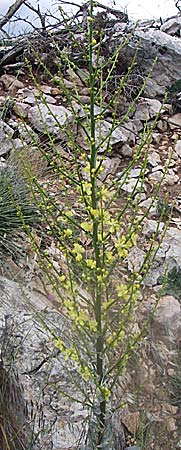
98	289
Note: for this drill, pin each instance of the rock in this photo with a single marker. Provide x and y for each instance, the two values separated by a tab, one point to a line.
11	83
126	150
147	109
69	84
102	132
146	205
6	134
14	88
157	168
2	100
130	421
168	257
157	137
27	348
151	227
85	91
48	99
167	319
172	26
74	77
132	184
173	240
154	44
45	89
155	176
171	178
154	159
162	125
21	109
85	99
175	121
27	134
110	167
135	259
55	91
131	128
133	447
178	148
50	118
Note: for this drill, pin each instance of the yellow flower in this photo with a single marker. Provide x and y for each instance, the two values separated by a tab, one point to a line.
68	232
86	226
91	263
78	249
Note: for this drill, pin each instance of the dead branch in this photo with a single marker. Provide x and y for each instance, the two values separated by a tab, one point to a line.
11	11
37	11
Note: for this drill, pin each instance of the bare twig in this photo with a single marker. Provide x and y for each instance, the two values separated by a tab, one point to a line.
41	16
10	13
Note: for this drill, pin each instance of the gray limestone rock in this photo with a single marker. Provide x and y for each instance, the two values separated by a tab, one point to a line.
154	44
167	319
50	119
172	26
28	323
6	134
147	109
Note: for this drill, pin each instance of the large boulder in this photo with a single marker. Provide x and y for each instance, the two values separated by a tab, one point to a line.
155	44
28	323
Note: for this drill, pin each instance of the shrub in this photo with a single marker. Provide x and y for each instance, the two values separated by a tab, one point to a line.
93	233
15	203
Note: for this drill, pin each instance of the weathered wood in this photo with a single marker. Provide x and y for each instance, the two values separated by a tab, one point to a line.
12	54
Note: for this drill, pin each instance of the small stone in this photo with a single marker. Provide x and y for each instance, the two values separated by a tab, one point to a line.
178	148
55	91
151	226
7	80
126	150
135	259
132	185
135	173
2	100
171	178
6	134
48	99
156	138
85	99
110	166
162	125
147	109
154	159
50	118
14	88
67	83
175	121
84	91
147	203
21	109
157	168
167	319
172	26
130	421
156	177
45	89
27	134
133	447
